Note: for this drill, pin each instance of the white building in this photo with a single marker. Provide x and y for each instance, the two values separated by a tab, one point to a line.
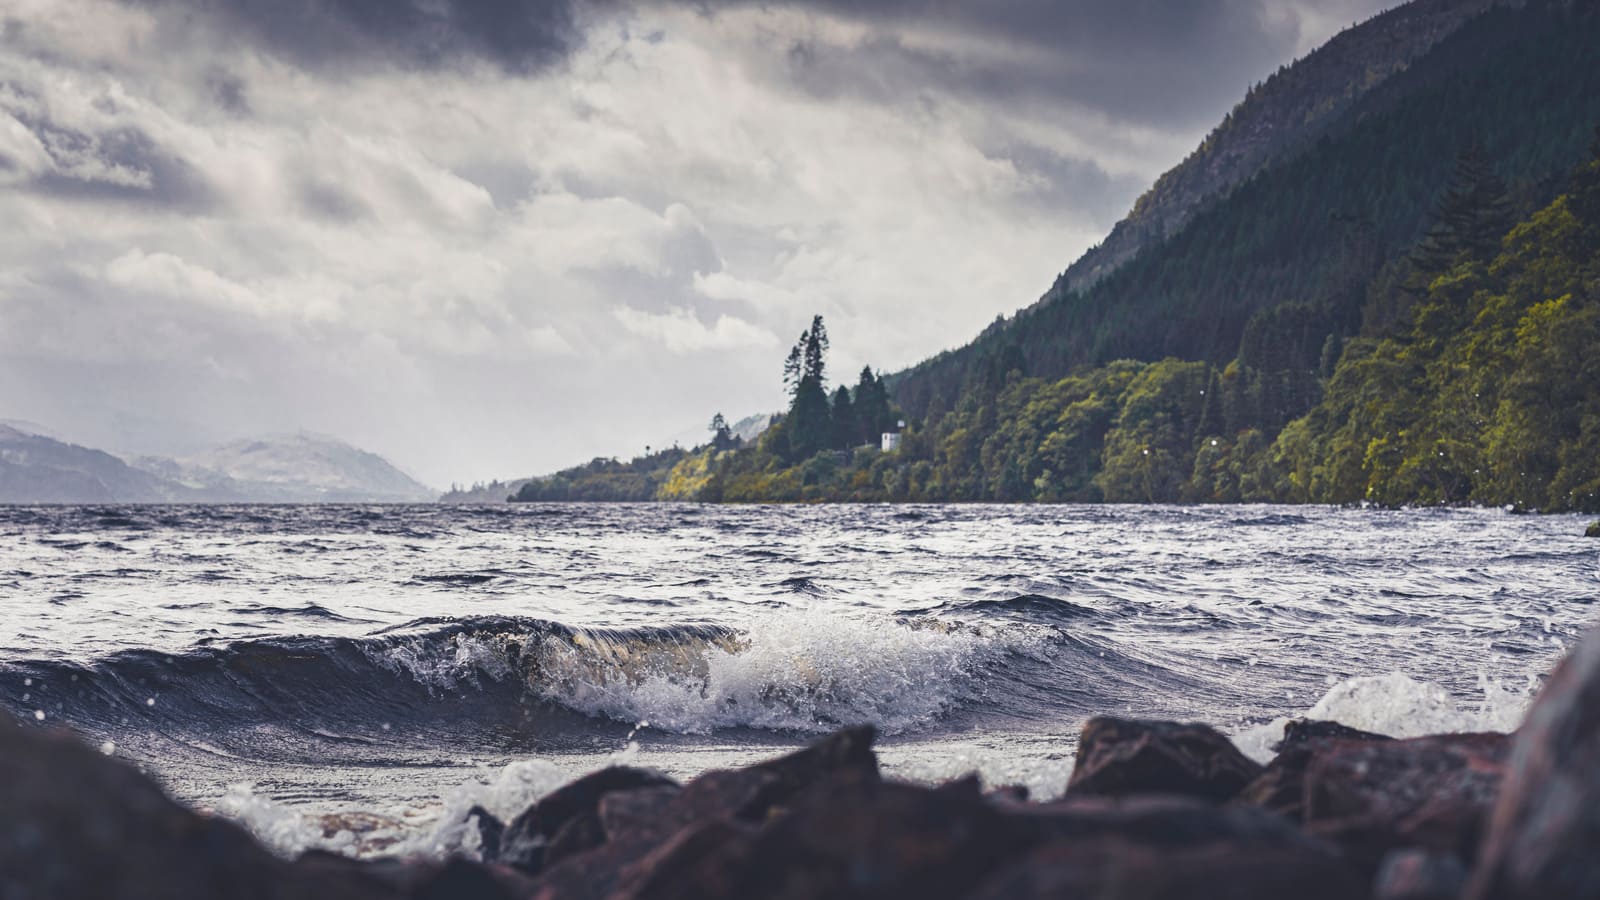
891	439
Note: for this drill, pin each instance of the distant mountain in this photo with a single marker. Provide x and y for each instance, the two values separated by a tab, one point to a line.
292	468
298	468
39	469
1289	110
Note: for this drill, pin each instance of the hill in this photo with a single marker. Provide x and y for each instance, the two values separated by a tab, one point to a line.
39	469
1315	227
293	468
1289	110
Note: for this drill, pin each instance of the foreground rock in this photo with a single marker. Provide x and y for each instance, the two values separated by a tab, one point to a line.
1593	530
1117	757
1544	836
74	823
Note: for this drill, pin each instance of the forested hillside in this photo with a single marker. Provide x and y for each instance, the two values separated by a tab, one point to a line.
1291	108
1316	229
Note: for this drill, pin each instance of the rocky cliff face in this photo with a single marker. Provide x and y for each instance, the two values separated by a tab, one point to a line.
1291	109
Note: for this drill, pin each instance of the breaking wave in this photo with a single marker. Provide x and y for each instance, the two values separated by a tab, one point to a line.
789	670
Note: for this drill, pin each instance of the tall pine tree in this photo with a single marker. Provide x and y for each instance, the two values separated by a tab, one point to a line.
1471	217
810	422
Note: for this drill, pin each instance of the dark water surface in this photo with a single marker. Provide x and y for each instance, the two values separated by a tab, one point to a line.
277	661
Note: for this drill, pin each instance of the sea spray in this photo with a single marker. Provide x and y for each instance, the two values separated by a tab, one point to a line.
1399	706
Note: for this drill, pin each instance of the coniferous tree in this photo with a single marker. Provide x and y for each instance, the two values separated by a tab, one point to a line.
845	426
1471	217
721	435
809	425
873	412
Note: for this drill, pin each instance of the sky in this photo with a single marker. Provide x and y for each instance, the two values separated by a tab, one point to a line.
492	238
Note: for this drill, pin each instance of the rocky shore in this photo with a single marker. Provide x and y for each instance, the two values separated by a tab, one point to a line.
1153	810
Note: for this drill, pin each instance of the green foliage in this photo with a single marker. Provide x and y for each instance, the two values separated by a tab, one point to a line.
604	480
1489	397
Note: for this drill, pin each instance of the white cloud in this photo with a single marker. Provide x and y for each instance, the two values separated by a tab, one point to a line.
680	331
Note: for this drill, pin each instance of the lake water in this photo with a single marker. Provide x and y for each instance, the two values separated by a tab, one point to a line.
282	662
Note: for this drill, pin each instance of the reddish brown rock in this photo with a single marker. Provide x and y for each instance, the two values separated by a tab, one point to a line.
1121	869
1431	793
566	820
1281	786
1124	756
1419	875
847	838
637	823
75	823
1543	838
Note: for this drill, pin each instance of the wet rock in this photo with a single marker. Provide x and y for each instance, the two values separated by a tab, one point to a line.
845	838
1299	732
460	879
1280	787
704	860
625	812
1373	796
1121	869
76	823
1153	820
1419	875
490	831
1593	530
1545	829
1125	756
638	822
526	840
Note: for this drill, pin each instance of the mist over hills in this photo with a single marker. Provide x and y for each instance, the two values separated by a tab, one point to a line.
288	468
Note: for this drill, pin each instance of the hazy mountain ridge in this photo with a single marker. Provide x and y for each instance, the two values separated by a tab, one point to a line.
39	469
1286	112
301	468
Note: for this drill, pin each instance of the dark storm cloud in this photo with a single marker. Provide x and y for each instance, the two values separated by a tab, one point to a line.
520	36
1152	60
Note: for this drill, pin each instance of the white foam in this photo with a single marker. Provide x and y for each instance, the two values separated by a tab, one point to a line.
503	792
283	830
1399	706
794	669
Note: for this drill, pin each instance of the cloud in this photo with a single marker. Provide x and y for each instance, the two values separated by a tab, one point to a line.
518	36
680	331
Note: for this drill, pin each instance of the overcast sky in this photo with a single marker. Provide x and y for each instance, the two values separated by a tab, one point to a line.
496	237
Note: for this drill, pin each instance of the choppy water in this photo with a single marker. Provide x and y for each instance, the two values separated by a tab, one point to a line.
408	660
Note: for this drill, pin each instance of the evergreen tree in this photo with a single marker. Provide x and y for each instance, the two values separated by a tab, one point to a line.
845	426
874	415
1469	220
721	435
809	425
1584	198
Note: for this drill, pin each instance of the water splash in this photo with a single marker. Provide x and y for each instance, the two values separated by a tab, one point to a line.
1399	706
